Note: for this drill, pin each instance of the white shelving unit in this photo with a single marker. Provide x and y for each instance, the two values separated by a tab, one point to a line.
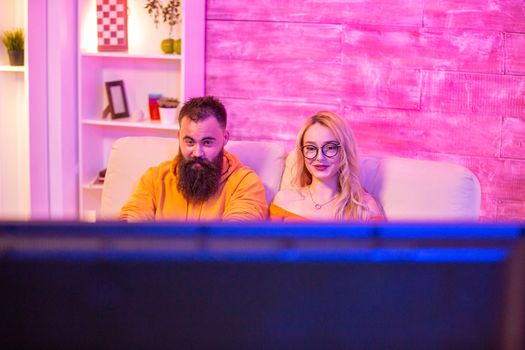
144	70
14	122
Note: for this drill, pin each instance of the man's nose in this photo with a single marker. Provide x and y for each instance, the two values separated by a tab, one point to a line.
198	151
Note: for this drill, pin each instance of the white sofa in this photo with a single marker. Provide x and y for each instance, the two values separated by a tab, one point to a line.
408	189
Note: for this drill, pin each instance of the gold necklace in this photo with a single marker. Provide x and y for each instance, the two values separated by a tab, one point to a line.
318	206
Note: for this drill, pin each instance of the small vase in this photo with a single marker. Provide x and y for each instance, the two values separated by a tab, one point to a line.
16	58
168	116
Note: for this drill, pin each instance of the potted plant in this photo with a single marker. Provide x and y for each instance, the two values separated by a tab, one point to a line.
168	109
13	41
169	12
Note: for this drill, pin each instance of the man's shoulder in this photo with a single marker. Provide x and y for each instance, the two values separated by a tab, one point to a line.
159	169
241	172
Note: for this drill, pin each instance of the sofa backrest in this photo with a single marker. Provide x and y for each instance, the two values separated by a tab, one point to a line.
408	189
415	190
130	157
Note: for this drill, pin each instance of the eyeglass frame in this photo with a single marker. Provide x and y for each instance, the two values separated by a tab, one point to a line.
322	150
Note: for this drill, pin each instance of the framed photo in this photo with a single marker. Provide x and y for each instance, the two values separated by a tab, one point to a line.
118	104
112	25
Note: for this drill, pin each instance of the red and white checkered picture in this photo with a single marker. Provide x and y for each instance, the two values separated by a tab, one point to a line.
112	25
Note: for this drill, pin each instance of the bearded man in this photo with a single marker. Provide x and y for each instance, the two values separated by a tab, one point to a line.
204	182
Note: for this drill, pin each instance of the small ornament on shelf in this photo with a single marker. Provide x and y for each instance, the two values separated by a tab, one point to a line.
137	116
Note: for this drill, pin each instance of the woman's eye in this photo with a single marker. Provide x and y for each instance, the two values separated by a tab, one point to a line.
310	148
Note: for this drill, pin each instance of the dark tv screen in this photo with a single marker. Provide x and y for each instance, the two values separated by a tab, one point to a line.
138	295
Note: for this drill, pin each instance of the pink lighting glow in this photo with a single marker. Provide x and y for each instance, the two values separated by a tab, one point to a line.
426	79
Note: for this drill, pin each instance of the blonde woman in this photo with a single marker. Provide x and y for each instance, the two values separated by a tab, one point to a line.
325	178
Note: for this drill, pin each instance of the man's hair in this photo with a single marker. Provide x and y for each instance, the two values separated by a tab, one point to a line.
200	108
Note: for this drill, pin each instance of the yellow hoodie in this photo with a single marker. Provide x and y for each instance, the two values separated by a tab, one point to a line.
240	196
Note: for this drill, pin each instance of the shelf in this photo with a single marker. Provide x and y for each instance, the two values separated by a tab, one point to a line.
96	183
131	55
20	69
93	187
126	122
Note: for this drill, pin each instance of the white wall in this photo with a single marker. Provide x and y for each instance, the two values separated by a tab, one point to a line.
62	107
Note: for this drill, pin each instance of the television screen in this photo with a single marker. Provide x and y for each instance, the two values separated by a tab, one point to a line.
110	286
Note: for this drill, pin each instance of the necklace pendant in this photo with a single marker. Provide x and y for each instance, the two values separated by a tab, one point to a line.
318	206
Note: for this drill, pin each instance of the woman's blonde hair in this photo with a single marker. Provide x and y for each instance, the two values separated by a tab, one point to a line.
350	201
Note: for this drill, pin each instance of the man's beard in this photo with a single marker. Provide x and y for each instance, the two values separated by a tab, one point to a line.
198	183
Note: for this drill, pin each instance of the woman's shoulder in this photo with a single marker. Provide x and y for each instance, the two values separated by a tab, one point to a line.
286	196
285	204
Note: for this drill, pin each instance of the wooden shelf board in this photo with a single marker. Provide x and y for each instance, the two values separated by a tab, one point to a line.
4	68
132	55
93	187
126	122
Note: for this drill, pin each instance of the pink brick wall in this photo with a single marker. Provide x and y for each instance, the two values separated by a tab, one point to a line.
429	79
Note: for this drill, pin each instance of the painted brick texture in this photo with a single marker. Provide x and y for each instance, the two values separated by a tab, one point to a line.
427	79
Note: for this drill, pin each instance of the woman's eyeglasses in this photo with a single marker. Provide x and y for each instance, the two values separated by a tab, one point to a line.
329	150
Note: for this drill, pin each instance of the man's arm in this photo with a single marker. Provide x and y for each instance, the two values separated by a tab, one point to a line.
141	206
248	200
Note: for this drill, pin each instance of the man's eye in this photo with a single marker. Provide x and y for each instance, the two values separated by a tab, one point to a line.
189	142
208	143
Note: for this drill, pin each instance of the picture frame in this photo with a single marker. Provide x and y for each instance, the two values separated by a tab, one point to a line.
118	104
